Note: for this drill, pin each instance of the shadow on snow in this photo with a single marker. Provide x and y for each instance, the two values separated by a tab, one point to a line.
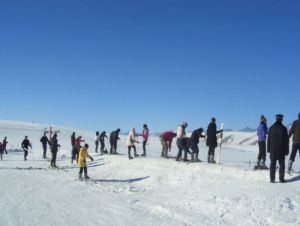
129	181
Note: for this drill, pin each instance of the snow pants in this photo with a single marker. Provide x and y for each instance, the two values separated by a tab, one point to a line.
113	147
25	154
182	146
211	150
262	151
53	160
295	148
144	146
45	151
129	150
273	169
83	169
102	146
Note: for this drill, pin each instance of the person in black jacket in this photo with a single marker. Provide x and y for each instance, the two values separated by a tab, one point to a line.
25	145
102	142
211	140
4	143
113	139
54	149
278	147
44	140
193	143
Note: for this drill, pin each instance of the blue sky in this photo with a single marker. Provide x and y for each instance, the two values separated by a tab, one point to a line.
107	64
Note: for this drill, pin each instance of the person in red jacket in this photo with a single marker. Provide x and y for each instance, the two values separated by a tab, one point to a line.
166	139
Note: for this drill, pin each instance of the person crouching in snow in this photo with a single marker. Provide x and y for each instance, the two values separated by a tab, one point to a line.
83	154
130	143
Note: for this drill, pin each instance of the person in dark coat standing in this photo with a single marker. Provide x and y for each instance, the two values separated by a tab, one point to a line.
278	147
295	132
25	145
211	140
113	139
4	143
44	140
102	142
96	141
193	143
54	149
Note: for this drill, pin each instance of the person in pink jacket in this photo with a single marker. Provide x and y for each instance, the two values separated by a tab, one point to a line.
130	143
145	136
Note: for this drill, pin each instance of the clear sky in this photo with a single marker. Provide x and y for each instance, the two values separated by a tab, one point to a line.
106	64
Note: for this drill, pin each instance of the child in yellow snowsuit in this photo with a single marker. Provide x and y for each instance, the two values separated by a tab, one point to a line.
83	154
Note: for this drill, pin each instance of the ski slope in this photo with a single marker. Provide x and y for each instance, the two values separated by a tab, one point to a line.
143	191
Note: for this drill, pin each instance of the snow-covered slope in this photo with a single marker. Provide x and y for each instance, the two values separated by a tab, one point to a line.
143	191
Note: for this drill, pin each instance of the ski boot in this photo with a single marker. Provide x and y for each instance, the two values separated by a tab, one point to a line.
86	177
130	157
263	165
290	164
212	160
208	159
257	166
80	177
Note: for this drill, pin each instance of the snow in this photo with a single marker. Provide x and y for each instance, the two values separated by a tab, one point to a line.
143	191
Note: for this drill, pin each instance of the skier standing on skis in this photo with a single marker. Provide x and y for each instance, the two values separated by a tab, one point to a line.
113	139
193	143
44	140
130	143
4	143
25	145
278	147
262	132
295	132
145	136
83	154
182	142
211	140
54	149
102	142
166	139
96	141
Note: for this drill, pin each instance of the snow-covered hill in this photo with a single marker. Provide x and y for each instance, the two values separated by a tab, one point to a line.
143	191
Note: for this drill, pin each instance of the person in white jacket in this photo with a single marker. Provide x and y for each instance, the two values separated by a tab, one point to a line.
182	141
130	143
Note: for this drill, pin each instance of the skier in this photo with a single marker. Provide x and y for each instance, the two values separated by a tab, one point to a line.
113	139
4	143
96	141
295	132
166	139
44	140
130	143
83	154
145	136
54	149
211	140
182	142
1	150
262	132
102	142
76	148
278	147
25	145
193	143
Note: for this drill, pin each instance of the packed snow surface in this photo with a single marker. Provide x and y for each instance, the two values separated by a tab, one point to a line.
142	191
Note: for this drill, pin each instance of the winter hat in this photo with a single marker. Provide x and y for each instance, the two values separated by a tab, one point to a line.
86	146
185	124
263	118
279	117
213	119
299	115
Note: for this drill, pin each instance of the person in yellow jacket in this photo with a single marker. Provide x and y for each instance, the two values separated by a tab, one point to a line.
83	154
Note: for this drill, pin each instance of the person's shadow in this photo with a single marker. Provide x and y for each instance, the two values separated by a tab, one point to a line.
122	181
294	179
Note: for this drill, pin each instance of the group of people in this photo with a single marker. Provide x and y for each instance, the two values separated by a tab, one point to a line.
276	142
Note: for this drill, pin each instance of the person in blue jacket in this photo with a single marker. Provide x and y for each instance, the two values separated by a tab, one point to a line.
262	132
